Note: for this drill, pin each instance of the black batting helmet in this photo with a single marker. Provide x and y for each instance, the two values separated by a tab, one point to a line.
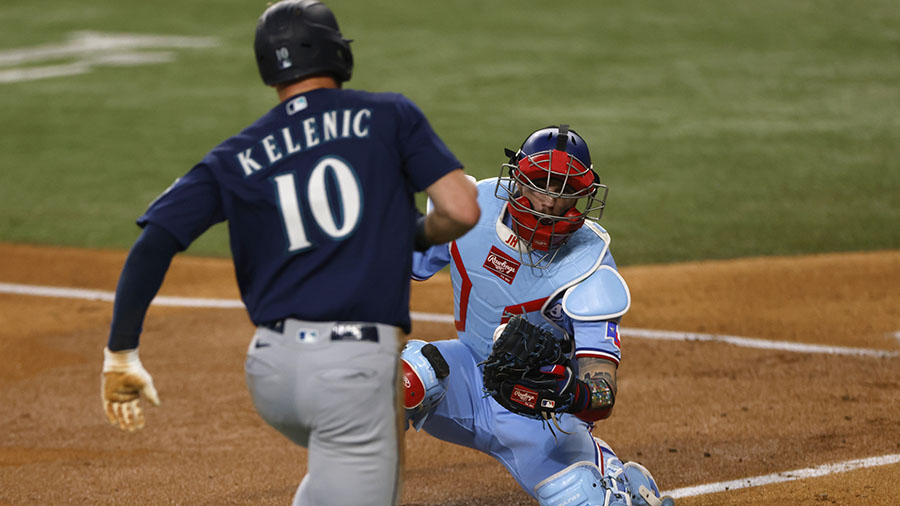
297	38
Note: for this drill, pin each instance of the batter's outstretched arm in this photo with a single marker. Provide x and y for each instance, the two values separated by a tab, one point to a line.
455	209
143	274
124	380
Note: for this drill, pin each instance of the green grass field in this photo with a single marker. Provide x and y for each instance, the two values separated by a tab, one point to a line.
724	129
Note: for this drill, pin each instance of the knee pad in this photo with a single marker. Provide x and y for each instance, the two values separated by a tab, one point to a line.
580	484
424	370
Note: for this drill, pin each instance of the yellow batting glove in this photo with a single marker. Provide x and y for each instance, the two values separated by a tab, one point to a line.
123	382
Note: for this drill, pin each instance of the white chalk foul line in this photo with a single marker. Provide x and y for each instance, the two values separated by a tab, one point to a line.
798	474
77	293
100	295
748	342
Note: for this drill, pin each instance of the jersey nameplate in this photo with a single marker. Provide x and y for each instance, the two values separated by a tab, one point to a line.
308	133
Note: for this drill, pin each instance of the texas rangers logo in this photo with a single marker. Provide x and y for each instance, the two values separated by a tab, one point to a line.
524	396
501	264
612	332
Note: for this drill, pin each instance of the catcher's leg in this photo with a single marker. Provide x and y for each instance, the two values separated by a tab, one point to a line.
642	487
424	385
580	484
583	484
631	478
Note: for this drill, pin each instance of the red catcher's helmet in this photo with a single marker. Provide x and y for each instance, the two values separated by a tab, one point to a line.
551	154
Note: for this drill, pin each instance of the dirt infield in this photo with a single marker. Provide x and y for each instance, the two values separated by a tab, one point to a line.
693	412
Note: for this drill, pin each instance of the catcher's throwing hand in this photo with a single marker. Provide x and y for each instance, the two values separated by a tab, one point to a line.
529	372
122	383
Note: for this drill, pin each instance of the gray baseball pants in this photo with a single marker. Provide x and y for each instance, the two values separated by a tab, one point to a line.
332	387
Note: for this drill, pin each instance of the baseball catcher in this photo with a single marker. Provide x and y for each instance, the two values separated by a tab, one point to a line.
538	300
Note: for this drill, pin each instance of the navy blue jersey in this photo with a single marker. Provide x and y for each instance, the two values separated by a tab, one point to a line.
318	195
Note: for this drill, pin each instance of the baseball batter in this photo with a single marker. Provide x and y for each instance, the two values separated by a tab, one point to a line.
318	196
535	276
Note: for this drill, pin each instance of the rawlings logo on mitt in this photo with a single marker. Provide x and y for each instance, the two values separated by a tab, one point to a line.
523	396
529	371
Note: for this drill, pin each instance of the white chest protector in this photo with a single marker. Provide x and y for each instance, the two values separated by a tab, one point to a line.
490	284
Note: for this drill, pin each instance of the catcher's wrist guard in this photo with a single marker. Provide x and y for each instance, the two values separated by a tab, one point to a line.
594	399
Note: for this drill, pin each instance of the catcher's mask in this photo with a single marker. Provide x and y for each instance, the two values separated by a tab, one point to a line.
553	161
299	38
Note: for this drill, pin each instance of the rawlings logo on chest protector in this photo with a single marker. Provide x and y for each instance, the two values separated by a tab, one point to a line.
501	264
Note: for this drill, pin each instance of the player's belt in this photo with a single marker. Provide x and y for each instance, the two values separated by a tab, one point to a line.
339	331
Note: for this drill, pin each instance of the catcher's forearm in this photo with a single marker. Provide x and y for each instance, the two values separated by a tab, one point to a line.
596	390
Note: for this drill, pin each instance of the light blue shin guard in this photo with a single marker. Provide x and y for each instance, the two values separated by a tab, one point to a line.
617	484
642	486
580	484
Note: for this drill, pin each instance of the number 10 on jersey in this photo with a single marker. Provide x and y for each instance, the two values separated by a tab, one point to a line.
347	192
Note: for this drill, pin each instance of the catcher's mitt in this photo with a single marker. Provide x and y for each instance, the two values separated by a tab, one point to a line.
529	371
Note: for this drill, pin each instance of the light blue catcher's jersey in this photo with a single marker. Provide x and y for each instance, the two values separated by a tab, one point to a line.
580	294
